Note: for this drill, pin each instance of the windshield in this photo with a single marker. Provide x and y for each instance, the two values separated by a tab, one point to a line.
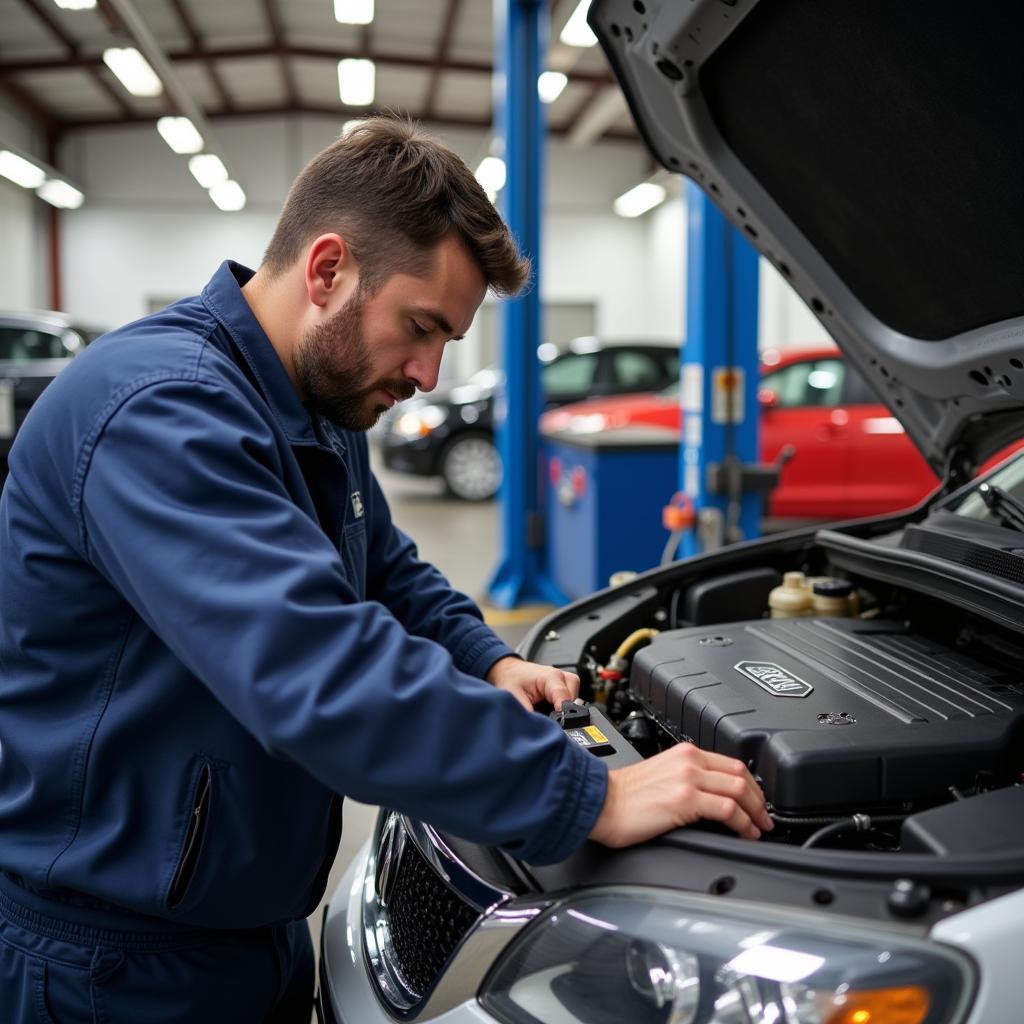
1008	479
28	344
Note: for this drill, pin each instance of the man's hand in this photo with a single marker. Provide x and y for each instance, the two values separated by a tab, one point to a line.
675	788
530	683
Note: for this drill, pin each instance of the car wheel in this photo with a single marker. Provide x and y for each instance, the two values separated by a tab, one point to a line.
471	467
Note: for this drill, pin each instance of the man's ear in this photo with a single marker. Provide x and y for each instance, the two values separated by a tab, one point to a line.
330	270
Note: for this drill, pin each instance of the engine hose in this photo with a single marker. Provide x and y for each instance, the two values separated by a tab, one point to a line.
854	823
788	819
634	638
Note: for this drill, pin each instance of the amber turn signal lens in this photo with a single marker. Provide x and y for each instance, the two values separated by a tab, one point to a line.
906	1005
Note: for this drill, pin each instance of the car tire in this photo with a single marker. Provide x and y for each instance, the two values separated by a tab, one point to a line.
471	467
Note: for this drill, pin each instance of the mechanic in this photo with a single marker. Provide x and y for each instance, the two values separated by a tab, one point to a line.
210	629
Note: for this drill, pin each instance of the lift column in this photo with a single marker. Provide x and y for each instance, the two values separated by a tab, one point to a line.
520	44
719	453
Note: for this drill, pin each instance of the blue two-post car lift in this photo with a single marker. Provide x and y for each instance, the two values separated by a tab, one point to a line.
718	454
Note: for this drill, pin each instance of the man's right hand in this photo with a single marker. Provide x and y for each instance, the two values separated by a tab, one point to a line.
678	787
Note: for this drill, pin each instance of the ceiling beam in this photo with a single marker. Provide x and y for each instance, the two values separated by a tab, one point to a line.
32	107
277	37
441	56
9	68
42	14
175	92
196	42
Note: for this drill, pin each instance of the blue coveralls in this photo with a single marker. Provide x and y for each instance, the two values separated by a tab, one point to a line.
210	628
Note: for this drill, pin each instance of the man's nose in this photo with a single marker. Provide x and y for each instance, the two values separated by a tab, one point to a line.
425	367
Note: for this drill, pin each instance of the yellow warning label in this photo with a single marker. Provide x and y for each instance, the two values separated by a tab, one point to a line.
595	734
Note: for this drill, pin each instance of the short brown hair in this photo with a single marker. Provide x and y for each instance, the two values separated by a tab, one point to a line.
393	193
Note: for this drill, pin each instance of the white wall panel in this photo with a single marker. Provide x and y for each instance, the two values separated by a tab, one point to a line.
24	283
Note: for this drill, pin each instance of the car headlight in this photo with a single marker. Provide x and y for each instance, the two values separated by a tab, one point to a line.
420	422
661	957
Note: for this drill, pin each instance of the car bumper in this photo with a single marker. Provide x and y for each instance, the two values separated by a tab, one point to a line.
417	457
346	993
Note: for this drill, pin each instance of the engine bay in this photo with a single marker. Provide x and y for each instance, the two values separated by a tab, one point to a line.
875	716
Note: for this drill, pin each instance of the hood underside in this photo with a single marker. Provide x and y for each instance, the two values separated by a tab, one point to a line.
873	152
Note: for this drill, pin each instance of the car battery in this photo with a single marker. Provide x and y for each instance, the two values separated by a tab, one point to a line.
836	715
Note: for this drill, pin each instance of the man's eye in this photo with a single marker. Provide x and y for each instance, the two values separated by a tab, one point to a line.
419	330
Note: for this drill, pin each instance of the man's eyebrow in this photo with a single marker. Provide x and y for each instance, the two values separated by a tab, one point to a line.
441	320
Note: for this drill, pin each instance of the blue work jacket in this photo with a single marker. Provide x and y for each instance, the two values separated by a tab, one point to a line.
210	628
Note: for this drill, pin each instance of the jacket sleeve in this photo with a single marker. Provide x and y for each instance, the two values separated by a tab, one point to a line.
421	598
181	506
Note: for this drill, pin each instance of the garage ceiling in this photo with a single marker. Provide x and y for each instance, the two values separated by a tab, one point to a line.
257	57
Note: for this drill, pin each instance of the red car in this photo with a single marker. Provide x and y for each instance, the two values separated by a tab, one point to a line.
852	456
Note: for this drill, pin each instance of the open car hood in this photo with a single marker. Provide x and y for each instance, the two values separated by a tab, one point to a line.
872	151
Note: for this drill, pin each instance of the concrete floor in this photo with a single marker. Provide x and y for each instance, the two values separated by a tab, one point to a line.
462	540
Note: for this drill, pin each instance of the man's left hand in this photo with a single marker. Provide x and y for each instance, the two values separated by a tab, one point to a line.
531	683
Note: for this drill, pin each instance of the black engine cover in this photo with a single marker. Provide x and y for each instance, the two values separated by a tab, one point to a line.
836	715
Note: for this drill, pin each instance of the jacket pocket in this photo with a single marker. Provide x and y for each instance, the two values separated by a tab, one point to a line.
194	836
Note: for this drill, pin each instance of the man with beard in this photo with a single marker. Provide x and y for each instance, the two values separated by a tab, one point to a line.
210	629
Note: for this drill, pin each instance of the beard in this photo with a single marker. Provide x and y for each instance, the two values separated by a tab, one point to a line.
333	368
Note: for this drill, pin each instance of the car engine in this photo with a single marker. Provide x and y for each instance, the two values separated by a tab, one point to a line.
836	715
858	725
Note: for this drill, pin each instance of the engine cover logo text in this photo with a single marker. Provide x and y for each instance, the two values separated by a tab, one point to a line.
774	678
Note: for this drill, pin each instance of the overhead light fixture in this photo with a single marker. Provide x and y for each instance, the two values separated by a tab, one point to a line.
21	171
76	5
491	174
353	12
356	81
133	71
577	32
227	195
208	169
180	134
59	193
639	200
550	85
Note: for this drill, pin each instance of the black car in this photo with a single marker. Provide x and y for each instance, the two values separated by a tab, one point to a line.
872	151
34	348
450	433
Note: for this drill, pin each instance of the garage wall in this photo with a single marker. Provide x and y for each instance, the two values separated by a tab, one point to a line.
147	231
23	255
148	234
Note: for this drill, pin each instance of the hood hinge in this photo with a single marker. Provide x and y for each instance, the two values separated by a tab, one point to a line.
958	470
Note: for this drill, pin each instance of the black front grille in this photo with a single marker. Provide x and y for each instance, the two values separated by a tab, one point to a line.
426	920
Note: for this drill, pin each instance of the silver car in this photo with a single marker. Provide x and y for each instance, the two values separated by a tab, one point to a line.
871	152
34	347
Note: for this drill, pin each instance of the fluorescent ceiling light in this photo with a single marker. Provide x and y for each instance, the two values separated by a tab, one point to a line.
180	134
639	200
353	12
208	169
227	195
133	71
356	79
550	85
59	193
491	174
21	171
76	5
577	31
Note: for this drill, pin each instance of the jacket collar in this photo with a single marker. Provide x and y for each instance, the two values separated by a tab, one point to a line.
223	297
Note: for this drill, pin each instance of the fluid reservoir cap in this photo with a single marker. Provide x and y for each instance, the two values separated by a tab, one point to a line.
833	588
